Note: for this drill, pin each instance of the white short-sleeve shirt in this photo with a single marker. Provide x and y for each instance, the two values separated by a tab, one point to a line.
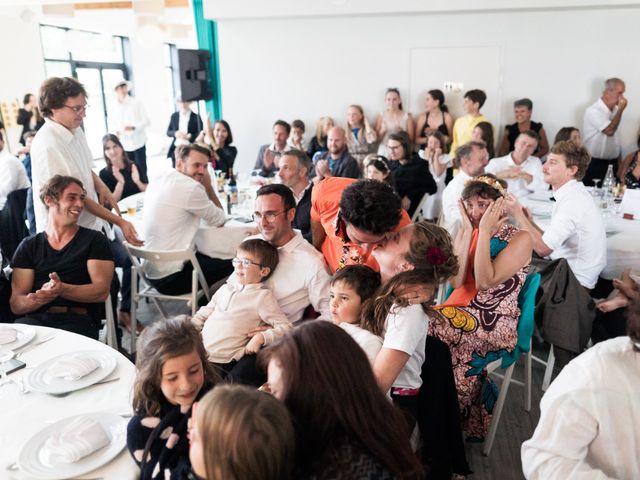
369	342
596	118
13	176
406	331
577	233
518	186
450	197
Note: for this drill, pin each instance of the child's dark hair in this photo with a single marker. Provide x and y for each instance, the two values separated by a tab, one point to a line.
363	279
162	341
267	253
298	124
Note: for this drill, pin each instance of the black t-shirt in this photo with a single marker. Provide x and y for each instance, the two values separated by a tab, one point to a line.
70	263
130	187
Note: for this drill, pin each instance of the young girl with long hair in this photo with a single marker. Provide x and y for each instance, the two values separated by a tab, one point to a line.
318	142
392	120
345	426
361	137
240	433
435	118
173	372
483	132
121	175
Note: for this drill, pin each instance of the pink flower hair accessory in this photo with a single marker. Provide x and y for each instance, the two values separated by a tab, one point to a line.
435	256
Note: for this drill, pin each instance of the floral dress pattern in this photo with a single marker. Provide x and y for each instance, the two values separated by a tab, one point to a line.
477	335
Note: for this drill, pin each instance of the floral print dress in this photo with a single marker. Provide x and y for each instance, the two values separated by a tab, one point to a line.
477	335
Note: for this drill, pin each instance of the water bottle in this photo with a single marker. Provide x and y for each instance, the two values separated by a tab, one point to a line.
609	181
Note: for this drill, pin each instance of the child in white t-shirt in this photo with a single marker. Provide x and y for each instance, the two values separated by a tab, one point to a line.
351	287
242	305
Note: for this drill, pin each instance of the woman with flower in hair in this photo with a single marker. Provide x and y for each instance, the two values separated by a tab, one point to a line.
480	317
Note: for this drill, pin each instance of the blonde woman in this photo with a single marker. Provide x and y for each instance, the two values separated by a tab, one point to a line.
361	138
318	142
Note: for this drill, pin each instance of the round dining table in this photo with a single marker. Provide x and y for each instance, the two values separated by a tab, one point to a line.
25	413
622	234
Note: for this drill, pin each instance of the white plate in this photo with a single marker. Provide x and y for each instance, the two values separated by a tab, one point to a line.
25	335
35	462
39	379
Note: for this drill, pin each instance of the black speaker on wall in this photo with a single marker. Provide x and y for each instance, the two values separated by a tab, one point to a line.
195	81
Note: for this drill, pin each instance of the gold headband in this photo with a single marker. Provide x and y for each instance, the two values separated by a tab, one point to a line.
492	182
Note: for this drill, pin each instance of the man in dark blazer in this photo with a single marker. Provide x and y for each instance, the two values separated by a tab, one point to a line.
294	172
184	127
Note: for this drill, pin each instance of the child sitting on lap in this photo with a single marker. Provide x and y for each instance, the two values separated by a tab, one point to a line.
241	306
351	287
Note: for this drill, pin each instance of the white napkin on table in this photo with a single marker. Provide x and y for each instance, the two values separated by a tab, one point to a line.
73	367
76	440
8	335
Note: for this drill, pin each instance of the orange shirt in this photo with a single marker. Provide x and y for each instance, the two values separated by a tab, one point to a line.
325	207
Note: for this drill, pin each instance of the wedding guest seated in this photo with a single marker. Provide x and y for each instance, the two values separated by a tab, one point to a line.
172	374
361	137
337	161
120	175
240	306
175	204
237	433
345	426
568	134
377	168
294	173
318	143
522	112
393	120
480	317
296	137
351	287
629	170
412	176
576	231
62	276
439	165
611	318
471	159
14	175
122	178
435	118
184	127
219	137
350	218
463	126
588	423
483	132
520	169
269	155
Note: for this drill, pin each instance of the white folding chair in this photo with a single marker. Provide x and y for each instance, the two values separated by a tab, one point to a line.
110	335
199	285
417	214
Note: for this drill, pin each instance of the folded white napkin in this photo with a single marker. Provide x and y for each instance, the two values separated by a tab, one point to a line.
73	367
8	335
76	440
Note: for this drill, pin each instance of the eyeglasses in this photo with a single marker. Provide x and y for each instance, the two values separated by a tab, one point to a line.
268	216
78	109
245	262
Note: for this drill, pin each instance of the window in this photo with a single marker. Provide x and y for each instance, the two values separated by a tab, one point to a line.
98	61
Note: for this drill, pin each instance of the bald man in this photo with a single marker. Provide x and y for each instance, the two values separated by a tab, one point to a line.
337	162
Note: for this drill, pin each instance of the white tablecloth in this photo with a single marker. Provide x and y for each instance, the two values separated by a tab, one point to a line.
23	415
216	242
623	250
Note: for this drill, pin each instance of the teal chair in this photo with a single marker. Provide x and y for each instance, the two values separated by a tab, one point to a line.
507	361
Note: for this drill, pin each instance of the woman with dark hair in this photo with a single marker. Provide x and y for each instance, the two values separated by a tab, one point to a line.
220	138
436	118
345	426
29	116
589	416
120	175
569	134
629	169
393	120
522	111
411	174
483	132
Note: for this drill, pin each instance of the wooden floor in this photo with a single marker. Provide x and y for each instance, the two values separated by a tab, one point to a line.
515	427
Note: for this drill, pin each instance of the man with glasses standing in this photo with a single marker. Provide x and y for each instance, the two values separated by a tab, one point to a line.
60	148
175	204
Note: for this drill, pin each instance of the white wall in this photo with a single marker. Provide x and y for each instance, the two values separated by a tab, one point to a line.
307	67
22	62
